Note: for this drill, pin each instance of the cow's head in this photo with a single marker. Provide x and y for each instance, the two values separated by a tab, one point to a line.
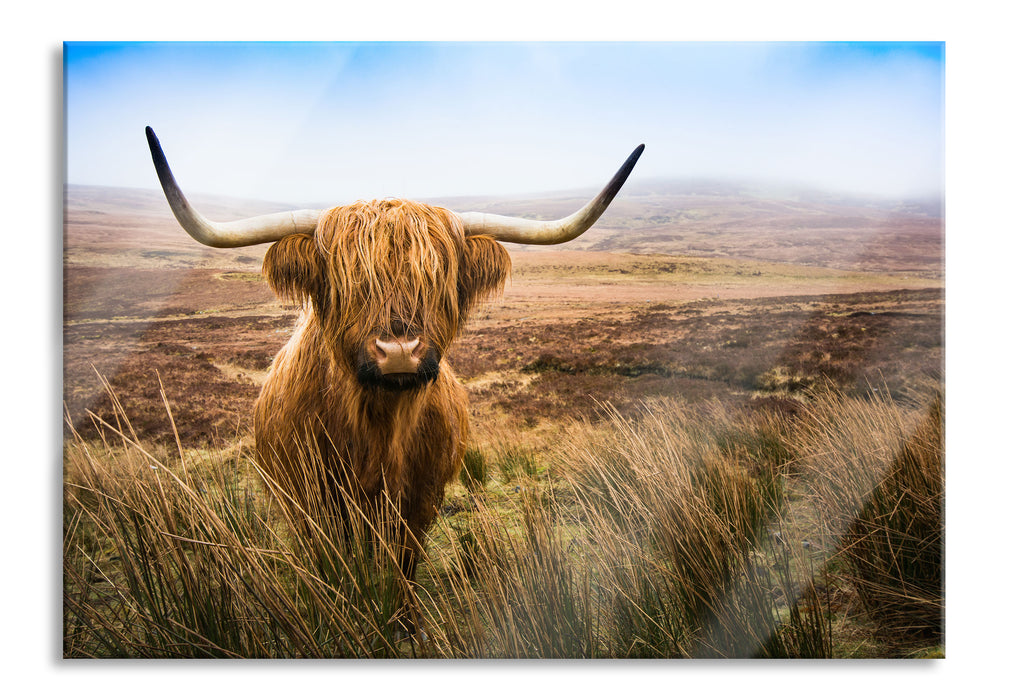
390	281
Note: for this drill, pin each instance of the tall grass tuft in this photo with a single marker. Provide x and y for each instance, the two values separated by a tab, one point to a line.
198	556
510	588
878	473
475	470
678	505
515	461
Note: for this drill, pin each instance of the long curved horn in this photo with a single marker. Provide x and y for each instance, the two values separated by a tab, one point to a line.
515	230
231	234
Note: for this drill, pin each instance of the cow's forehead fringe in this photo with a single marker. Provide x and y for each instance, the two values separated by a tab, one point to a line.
391	245
392	255
406	223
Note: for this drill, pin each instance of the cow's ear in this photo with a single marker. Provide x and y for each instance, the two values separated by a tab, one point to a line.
483	271
295	270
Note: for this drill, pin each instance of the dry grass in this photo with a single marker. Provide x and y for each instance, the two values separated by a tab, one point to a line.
878	481
687	531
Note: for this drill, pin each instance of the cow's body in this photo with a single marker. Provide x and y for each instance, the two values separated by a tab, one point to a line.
408	445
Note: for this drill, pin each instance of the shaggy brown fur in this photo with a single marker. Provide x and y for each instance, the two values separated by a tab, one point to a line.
389	268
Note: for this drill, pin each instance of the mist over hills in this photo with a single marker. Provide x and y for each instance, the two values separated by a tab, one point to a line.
704	218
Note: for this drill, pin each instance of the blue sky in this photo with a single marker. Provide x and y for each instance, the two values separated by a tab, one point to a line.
327	123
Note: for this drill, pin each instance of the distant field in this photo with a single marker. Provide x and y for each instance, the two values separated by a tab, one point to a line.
574	327
715	220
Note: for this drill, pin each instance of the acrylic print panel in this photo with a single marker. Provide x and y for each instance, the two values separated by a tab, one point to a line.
710	425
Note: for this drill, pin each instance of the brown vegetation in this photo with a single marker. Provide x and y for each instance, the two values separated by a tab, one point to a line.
770	370
544	366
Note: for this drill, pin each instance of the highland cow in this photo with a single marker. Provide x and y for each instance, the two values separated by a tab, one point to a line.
362	386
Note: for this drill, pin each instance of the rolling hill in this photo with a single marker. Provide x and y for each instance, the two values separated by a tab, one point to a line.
702	219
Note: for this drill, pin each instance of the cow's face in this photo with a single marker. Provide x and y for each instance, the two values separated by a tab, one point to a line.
390	283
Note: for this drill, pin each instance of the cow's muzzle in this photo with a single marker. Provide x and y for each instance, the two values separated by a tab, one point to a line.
396	364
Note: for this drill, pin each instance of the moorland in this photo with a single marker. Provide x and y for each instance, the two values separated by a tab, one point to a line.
717	305
749	301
